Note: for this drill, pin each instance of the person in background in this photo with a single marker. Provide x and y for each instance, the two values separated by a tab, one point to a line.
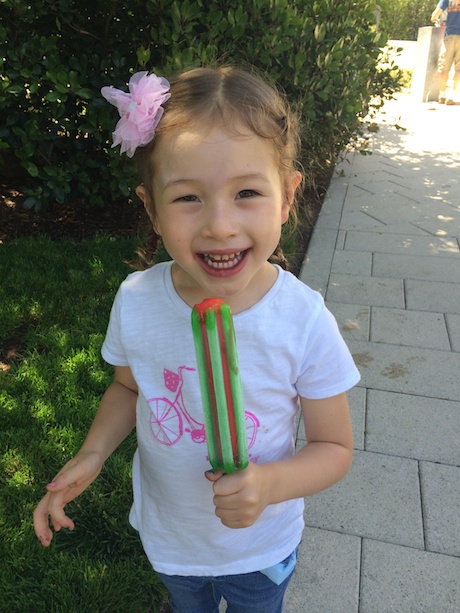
450	53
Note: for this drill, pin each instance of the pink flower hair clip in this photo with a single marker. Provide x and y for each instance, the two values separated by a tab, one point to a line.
140	110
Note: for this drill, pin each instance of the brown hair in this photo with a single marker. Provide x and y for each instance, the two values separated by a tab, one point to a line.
228	97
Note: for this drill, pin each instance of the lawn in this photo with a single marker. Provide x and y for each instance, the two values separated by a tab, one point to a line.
55	298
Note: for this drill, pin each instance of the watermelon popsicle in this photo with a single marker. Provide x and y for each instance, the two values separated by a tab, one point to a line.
220	384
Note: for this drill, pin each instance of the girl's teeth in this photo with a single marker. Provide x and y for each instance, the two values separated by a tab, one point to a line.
223	261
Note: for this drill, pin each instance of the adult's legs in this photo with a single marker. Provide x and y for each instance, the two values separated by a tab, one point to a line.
445	61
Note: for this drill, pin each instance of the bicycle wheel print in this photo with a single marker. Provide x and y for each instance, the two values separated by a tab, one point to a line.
252	425
165	421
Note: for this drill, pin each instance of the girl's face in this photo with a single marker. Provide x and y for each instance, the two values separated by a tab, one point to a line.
219	206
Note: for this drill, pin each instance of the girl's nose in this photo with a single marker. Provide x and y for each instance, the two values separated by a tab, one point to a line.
219	222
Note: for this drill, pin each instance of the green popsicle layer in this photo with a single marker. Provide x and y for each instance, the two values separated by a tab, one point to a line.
220	385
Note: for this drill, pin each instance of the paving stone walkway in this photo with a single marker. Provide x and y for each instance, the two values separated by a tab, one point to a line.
385	255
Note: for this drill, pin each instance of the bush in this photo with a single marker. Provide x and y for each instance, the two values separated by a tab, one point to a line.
59	54
401	19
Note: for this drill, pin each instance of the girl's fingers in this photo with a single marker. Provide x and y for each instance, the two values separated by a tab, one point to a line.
52	510
61	520
73	479
57	515
213	475
41	526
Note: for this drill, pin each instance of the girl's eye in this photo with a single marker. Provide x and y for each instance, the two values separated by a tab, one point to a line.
187	198
247	193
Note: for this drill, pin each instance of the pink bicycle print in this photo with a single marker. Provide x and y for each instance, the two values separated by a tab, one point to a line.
167	417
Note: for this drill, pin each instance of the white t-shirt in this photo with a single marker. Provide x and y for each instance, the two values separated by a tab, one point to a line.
288	345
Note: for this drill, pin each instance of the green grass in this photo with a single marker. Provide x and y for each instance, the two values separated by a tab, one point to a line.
55	298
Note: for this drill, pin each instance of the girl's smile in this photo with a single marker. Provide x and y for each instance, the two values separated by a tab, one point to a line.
219	205
223	264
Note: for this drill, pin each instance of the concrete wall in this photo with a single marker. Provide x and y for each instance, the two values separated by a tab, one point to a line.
425	81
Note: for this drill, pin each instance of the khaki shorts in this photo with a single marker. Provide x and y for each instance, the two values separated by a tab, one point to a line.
450	53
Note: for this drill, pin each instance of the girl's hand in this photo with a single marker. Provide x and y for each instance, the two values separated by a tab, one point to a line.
114	420
241	497
70	481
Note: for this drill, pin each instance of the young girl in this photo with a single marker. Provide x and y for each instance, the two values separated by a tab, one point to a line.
217	149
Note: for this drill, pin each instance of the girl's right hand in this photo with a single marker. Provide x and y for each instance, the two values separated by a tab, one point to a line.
69	483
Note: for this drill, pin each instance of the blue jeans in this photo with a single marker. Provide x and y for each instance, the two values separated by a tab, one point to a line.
247	593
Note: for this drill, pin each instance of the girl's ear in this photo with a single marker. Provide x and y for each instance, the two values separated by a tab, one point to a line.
142	194
148	206
291	188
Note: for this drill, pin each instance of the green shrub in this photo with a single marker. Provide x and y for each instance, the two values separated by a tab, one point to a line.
401	19
58	54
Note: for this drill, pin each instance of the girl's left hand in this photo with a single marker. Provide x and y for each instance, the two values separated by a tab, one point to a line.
241	497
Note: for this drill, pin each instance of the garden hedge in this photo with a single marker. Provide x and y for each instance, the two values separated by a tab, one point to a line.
57	54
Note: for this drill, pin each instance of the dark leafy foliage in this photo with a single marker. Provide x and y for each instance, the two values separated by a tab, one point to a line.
59	53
